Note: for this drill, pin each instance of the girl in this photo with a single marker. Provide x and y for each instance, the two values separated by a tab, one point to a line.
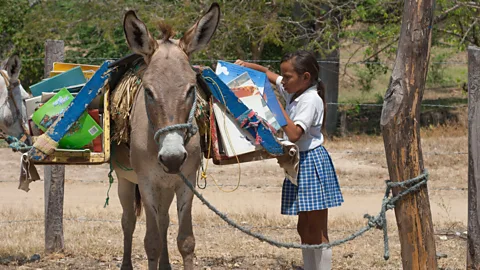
318	187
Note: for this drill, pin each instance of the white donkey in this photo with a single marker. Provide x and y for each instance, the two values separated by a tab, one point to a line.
13	112
167	99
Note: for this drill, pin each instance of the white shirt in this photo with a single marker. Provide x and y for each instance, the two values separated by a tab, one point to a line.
305	111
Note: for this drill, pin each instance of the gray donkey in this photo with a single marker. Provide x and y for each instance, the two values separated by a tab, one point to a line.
167	99
156	154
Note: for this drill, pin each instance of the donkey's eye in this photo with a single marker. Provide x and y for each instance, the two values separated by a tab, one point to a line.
191	91
148	93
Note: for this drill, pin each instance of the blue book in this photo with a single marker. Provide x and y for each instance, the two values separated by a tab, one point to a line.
68	78
227	72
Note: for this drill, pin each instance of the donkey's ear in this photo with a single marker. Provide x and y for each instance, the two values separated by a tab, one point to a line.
13	66
200	34
138	38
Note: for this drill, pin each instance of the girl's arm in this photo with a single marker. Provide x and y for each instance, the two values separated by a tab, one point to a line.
272	76
294	132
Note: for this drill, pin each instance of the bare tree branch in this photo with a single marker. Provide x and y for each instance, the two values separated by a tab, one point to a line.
381	50
454	34
445	14
468	30
350	58
470	4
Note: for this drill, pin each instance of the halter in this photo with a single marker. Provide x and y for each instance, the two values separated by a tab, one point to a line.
135	60
10	86
189	126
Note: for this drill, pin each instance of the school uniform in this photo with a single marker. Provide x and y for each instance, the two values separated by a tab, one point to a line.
317	180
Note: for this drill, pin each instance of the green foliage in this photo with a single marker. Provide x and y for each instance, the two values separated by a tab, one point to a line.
92	30
437	76
366	76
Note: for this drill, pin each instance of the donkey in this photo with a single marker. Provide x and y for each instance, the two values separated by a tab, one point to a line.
13	111
167	98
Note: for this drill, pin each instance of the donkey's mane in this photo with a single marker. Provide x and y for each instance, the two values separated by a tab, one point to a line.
166	29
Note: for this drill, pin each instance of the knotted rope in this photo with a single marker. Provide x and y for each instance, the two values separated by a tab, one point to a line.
379	221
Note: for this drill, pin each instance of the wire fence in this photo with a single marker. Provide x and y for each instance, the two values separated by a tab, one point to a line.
341	62
381	105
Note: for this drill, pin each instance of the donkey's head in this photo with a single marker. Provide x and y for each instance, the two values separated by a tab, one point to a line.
13	112
169	81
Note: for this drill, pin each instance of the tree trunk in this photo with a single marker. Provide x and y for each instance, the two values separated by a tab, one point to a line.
473	240
54	175
401	134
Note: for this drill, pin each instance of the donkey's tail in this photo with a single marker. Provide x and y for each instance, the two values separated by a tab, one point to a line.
138	201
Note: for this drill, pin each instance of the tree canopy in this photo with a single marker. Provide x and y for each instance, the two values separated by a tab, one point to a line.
258	30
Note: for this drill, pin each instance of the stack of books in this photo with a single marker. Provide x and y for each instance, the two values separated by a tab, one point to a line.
253	89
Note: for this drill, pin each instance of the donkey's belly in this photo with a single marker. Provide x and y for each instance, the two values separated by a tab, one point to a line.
127	174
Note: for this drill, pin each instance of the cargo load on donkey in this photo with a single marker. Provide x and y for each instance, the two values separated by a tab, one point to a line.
74	116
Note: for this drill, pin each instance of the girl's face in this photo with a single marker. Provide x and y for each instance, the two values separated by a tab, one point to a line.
292	81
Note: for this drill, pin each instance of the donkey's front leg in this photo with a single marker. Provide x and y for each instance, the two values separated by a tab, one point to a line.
185	239
156	210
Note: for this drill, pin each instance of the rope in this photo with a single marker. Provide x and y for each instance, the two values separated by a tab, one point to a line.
191	129
16	145
110	177
379	221
110	180
229	140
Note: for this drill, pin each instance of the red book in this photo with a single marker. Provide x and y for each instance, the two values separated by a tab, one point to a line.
97	142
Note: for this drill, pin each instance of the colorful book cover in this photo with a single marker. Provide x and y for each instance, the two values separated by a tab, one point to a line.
80	134
229	72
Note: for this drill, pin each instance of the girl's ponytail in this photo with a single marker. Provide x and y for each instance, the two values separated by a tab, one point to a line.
321	89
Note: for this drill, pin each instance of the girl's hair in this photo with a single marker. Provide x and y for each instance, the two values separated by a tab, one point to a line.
305	61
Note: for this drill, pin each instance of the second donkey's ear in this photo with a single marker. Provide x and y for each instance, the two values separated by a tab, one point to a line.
199	35
138	37
13	66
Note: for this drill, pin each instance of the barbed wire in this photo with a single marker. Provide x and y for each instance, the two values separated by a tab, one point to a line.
342	61
381	105
293	227
256	186
352	152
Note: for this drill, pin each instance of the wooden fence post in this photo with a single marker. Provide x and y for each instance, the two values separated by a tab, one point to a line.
473	240
400	124
54	175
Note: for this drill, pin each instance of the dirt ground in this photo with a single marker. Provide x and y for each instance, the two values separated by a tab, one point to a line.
93	235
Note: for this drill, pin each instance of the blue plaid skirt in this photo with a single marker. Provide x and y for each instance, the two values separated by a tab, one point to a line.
317	188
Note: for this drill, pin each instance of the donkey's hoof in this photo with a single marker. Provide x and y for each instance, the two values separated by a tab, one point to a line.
126	266
165	267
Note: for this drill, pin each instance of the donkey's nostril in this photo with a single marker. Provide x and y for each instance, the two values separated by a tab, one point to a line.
172	163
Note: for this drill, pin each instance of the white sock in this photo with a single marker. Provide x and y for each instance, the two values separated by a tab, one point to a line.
323	259
309	262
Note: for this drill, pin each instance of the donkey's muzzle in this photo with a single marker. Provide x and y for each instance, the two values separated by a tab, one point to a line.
172	163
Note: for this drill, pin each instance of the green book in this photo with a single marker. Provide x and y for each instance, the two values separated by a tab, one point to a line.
80	134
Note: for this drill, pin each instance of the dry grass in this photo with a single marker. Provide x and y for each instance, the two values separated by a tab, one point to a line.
93	235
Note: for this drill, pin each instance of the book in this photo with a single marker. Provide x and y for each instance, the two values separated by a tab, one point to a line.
243	86
82	132
97	142
233	74
66	79
235	140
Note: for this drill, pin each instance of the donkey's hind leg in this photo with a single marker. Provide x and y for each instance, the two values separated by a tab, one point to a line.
185	238
126	193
